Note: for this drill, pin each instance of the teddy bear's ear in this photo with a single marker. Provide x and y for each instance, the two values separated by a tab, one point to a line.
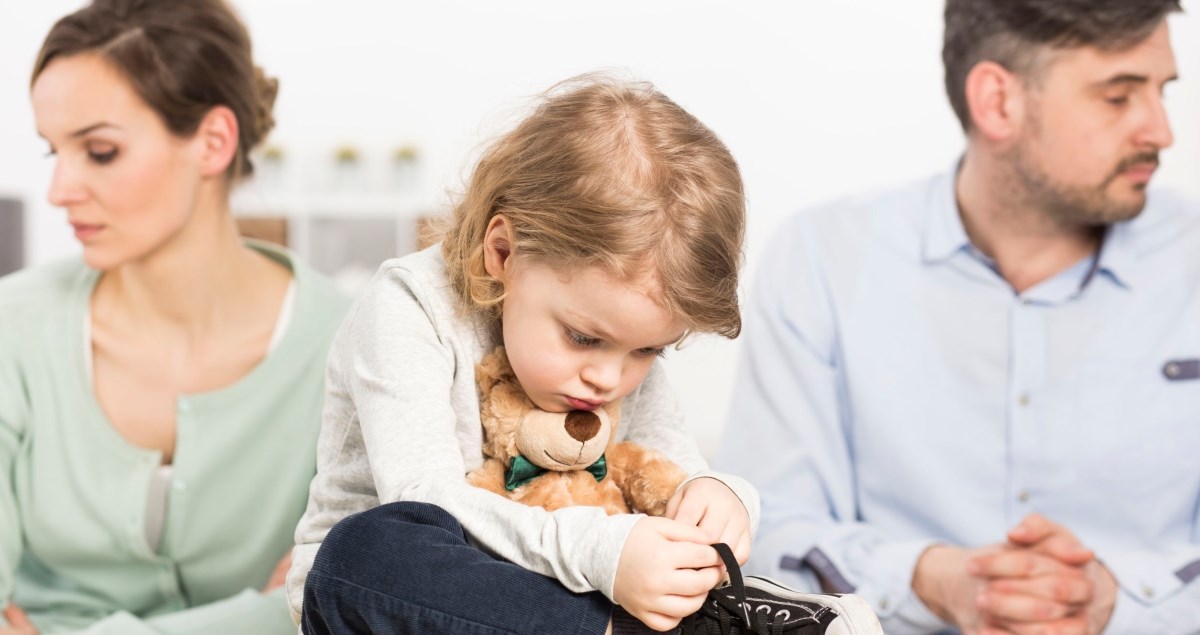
493	369
507	406
502	404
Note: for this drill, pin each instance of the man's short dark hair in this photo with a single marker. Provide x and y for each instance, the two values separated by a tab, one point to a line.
1012	32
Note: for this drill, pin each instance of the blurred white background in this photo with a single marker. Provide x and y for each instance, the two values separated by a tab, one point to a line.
815	99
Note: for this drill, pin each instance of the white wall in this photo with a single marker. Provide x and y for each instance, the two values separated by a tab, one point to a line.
816	100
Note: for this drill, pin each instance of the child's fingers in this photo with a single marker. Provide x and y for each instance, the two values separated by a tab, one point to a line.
681	606
680	531
690	555
693	582
656	621
741	549
662	612
691	512
731	531
722	530
673	505
716	526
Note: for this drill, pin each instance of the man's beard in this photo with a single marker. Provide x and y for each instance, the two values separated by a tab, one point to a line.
1075	206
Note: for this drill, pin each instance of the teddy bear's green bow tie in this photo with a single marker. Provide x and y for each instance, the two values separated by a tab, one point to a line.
521	471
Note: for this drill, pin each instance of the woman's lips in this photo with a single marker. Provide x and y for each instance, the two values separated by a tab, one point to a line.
84	231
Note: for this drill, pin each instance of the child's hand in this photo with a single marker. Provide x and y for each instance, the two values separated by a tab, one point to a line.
665	572
710	505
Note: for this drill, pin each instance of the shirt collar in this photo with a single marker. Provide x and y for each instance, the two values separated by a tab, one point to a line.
944	234
1116	258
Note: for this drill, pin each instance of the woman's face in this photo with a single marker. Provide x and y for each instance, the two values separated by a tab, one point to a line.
128	185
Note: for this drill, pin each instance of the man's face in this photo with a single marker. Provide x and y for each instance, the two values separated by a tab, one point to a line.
1094	125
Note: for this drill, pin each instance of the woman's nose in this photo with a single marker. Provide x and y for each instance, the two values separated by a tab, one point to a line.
65	189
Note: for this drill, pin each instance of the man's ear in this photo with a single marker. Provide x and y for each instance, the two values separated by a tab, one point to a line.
217	136
498	248
996	99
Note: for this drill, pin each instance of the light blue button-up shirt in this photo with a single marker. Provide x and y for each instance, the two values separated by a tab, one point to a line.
895	392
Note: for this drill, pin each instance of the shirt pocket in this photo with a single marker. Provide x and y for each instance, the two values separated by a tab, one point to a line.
1138	429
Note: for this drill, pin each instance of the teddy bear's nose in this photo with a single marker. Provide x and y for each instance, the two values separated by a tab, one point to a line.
582	425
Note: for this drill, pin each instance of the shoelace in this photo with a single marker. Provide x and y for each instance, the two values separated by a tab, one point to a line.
729	609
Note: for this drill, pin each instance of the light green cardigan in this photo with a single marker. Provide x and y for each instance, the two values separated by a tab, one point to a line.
73	492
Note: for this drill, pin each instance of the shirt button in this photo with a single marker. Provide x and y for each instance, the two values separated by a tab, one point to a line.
883	604
1148	591
1023	496
184	405
179	485
1172	370
1023	400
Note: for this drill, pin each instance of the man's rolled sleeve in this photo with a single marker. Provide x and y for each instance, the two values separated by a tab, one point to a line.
889	589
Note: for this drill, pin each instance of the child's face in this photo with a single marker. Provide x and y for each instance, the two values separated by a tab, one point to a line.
580	339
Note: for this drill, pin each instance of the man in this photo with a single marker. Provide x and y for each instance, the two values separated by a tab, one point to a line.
976	401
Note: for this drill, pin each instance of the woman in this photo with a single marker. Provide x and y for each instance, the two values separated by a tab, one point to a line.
160	397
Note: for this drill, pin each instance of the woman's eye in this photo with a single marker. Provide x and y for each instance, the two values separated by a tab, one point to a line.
579	339
102	157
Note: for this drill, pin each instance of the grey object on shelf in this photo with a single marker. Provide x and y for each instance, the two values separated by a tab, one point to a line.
12	235
351	249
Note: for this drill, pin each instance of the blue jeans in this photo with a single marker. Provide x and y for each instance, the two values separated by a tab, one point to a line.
407	568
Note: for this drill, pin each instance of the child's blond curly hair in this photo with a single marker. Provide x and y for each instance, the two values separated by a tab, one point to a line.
612	174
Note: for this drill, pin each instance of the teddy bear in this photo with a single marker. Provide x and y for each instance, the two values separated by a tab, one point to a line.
561	459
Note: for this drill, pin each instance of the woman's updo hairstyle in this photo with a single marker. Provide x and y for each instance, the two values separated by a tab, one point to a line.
182	57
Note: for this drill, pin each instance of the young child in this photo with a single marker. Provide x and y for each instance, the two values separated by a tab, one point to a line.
601	231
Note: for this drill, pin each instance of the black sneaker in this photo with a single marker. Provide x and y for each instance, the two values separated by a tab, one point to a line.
764	607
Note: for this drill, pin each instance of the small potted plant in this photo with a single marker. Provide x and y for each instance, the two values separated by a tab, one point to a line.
268	166
347	167
404	167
